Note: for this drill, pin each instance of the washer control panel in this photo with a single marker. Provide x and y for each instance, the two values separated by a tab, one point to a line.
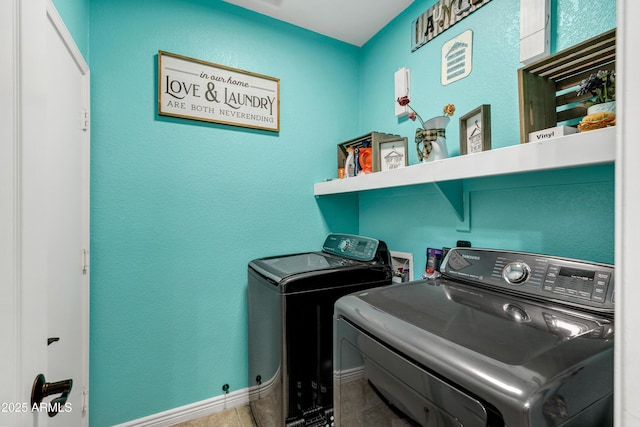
351	246
516	272
575	282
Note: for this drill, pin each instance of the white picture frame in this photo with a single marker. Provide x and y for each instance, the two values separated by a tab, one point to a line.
475	130
392	154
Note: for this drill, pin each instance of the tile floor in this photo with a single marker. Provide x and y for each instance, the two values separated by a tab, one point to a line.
363	408
235	417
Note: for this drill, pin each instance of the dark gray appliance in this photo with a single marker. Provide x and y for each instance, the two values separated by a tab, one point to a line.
501	339
290	303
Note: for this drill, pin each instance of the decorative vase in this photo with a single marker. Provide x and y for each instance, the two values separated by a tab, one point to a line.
603	107
431	142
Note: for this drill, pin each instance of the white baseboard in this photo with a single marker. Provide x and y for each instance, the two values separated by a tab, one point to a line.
192	411
205	407
351	374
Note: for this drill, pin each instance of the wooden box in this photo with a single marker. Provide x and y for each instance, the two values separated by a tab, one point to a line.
372	139
547	88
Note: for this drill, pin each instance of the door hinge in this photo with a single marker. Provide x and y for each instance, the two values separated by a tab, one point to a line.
85	261
85	400
85	119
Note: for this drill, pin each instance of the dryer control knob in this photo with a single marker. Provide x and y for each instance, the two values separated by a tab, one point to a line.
344	245
516	272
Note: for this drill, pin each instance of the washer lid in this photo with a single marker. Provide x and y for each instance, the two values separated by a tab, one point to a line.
502	328
509	352
279	267
316	271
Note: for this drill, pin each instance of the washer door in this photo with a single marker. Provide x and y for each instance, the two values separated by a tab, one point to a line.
373	383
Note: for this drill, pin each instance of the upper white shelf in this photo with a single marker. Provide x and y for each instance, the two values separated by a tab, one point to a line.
582	149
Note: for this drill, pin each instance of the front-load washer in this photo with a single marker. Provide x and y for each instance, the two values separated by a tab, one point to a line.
290	304
501	339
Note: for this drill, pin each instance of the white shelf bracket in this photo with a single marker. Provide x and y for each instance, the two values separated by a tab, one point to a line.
465	224
452	191
455	194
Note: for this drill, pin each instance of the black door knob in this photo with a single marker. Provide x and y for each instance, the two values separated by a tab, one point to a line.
42	389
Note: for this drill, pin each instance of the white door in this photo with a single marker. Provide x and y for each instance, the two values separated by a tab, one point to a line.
44	196
67	189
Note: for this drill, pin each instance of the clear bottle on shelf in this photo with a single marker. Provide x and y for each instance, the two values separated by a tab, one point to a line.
350	164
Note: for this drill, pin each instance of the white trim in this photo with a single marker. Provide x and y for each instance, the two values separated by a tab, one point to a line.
206	407
627	297
351	374
10	360
65	35
192	411
29	254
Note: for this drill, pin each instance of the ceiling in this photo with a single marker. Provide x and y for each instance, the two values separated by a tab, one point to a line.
351	21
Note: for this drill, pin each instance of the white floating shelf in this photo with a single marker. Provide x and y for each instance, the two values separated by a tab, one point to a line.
582	149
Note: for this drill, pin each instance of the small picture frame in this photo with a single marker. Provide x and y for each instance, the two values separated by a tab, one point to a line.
475	130
390	154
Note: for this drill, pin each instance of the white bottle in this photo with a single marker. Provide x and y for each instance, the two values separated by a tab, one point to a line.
350	164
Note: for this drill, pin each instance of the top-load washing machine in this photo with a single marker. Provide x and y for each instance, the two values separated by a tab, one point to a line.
501	339
290	304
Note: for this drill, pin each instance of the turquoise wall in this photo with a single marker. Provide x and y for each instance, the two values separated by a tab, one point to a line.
179	207
75	14
570	213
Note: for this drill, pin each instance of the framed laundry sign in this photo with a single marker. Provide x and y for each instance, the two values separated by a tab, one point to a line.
198	90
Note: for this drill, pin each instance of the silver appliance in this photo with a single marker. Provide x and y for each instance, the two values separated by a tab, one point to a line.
501	339
290	303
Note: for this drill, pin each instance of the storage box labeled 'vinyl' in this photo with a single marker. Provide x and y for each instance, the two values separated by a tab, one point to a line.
547	88
550	133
